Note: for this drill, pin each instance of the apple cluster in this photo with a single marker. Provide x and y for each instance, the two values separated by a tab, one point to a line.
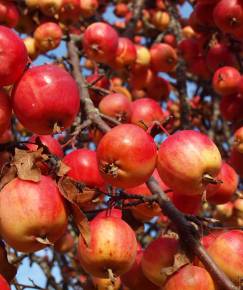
144	97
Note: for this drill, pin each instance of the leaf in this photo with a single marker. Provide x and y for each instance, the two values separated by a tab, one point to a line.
62	169
180	260
8	174
25	162
70	192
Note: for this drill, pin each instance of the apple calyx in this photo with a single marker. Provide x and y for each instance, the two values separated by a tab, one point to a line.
110	169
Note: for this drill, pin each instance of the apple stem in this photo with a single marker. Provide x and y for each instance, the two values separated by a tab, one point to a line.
111	276
207	178
44	241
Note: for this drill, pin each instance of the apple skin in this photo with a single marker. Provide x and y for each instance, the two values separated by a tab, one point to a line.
88	8
114	212
163	57
106	284
117	106
231	107
5	112
70	11
186	203
190	277
84	167
222	193
46	95
47	140
238	140
146	211
125	54
100	42
126	156
50	7
236	161
29	210
135	279
65	243
14	57
113	246
227	252
158	255
30	45
48	36
145	111
226	80
3	284
183	159
9	14
143	57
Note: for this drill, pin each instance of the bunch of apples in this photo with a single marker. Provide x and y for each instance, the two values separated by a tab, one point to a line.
69	174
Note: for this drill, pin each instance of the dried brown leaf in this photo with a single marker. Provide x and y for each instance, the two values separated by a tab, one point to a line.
180	260
25	162
62	169
70	192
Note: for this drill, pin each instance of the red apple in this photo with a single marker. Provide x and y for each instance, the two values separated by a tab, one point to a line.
231	107
46	96
84	167
135	279
9	14
100	42
50	7
228	16
113	247
158	255
190	277
223	192
145	112
48	36
126	156
219	55
125	54
163	57
227	252
88	7
117	106
226	80
70	11
31	213
238	140
14	57
183	160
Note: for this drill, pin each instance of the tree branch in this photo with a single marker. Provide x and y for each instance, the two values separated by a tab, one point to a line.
91	111
137	12
181	80
188	238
